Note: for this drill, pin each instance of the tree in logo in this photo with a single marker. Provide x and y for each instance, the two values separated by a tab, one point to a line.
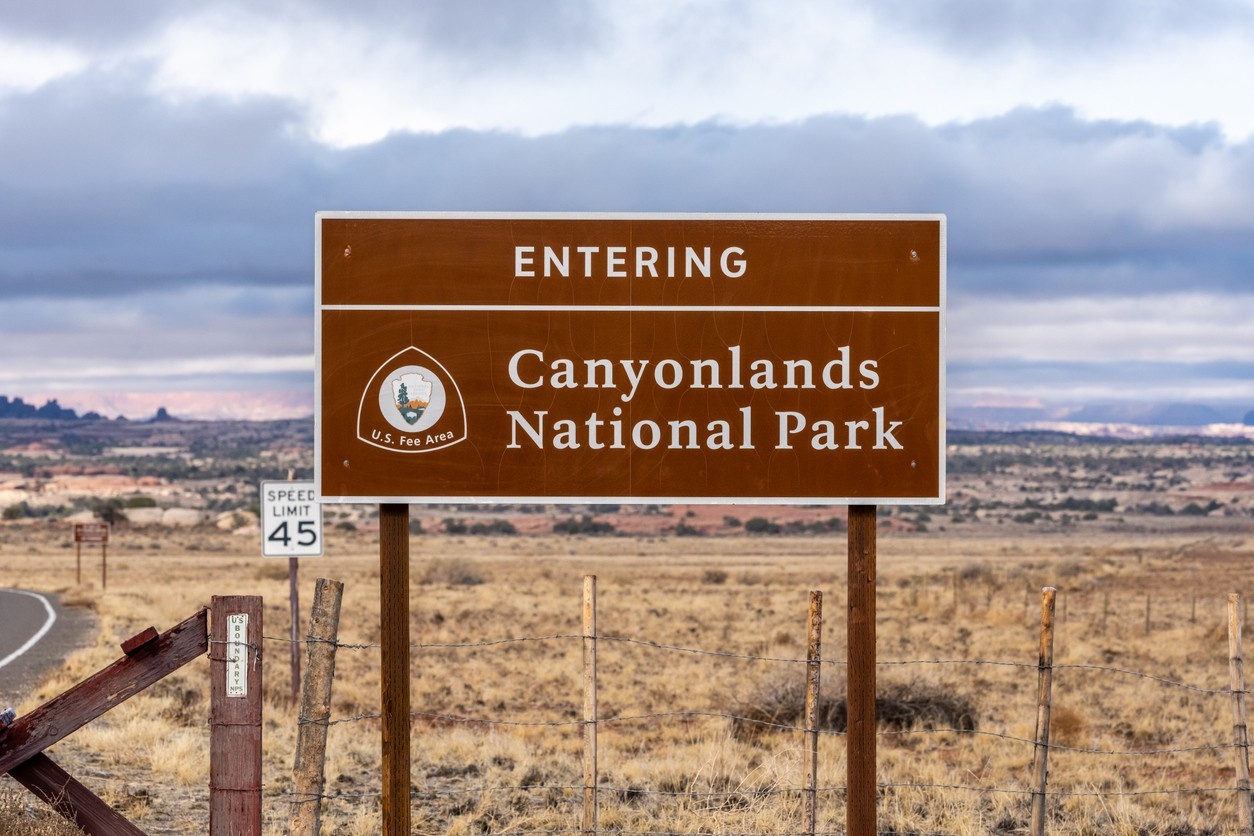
413	394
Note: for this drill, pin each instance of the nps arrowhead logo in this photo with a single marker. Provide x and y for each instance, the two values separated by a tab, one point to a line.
411	405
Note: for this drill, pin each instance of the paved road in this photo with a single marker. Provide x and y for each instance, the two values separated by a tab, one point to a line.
36	634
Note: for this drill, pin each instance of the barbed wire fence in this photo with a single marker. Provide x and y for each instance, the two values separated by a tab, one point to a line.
1234	796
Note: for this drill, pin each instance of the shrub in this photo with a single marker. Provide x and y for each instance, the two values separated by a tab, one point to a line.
780	705
583	525
493	527
814	526
761	525
109	511
714	576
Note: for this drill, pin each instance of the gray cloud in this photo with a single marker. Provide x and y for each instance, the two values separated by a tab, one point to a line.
109	190
984	27
469	32
89	23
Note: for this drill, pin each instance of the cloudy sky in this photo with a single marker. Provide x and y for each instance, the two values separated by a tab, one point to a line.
161	162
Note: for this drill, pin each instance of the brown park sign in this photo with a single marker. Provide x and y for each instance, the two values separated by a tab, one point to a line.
91	532
630	358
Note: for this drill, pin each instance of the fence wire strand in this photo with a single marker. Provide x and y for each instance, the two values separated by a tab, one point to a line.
884	663
765	792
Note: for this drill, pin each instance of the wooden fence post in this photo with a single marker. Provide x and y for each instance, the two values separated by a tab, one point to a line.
1240	735
315	708
814	655
235	715
1044	691
590	704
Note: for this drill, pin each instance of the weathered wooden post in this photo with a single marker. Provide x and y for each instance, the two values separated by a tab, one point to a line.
590	704
814	658
1240	732
315	708
235	715
1044	699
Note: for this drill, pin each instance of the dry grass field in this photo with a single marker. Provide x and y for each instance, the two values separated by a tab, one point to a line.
702	614
495	741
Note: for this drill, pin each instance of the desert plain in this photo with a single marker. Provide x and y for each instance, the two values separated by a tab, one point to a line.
702	640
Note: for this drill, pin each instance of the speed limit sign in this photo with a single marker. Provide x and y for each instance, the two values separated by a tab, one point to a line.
291	520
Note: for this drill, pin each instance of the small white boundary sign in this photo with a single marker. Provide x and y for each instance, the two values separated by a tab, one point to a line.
236	658
291	520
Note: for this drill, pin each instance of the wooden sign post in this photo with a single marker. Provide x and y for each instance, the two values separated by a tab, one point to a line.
758	359
860	701
394	682
91	533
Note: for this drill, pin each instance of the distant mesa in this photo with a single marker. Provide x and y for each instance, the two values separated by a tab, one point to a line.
1172	414
18	408
53	411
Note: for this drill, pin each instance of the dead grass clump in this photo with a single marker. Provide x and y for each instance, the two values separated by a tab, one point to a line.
450	571
1067	726
977	573
714	576
21	814
272	570
780	705
87	599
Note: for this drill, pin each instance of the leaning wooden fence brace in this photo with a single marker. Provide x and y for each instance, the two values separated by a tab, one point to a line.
1240	734
1044	698
149	657
235	716
315	708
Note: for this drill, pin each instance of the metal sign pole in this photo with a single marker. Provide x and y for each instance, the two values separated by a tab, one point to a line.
394	703
860	801
293	589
